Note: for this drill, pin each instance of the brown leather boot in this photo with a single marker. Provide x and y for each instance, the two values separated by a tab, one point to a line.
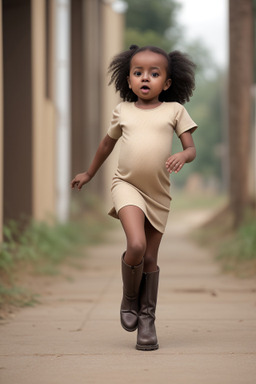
147	338
130	303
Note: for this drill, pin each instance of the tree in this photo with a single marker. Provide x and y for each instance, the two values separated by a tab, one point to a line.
151	22
154	15
240	81
207	109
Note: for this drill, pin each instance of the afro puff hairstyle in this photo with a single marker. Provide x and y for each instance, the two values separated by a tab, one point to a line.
180	69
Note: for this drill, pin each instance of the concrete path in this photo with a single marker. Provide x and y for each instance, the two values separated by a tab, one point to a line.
206	323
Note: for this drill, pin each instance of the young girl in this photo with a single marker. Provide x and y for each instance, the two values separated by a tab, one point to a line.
153	86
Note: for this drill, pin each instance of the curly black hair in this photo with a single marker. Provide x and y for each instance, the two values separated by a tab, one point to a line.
180	69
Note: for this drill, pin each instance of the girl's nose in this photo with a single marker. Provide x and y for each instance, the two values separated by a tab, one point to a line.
145	76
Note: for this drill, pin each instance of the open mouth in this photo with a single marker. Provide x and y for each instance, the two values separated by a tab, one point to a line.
145	88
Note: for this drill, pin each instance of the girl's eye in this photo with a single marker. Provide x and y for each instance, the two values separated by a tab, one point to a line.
137	73
155	74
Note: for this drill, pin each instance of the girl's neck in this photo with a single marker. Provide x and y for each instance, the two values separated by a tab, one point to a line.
142	105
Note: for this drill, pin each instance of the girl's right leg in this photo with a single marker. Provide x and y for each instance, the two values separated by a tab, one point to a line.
132	219
133	222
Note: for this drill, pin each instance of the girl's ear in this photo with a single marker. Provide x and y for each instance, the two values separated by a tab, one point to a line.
167	84
129	83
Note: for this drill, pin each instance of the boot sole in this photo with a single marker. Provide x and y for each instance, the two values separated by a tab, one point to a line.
147	347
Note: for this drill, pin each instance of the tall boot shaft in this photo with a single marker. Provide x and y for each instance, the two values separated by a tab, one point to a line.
147	338
131	276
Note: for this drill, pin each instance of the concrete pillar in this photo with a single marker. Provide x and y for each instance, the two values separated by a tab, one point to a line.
43	113
91	79
17	93
112	43
62	102
85	71
78	127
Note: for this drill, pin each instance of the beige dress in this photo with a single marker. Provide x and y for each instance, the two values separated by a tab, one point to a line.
141	178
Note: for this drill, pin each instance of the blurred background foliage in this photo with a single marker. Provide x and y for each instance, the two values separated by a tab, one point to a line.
152	22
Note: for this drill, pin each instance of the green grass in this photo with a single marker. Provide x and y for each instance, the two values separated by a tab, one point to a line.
41	248
238	253
17	296
182	201
235	250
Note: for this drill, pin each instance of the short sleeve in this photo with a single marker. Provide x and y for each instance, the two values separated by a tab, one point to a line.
184	122
115	130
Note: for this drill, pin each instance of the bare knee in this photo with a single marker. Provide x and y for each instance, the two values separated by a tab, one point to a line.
137	247
135	251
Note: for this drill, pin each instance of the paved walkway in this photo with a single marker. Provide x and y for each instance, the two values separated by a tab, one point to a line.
206	323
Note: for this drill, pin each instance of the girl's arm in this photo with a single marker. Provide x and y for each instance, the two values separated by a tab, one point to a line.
105	148
175	162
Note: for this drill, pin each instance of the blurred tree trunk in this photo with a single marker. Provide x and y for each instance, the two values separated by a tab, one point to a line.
240	103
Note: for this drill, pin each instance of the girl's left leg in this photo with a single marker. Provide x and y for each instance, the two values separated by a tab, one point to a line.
147	338
153	240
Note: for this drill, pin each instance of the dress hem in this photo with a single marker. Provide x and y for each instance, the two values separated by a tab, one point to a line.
113	213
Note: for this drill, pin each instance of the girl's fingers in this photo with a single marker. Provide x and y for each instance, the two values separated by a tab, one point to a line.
174	166
179	168
74	183
80	185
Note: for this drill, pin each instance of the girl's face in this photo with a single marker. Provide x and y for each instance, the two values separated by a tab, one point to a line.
148	77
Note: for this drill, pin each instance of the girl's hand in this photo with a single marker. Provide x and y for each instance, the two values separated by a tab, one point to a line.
175	162
80	180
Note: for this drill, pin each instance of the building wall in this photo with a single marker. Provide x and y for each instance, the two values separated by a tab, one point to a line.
28	109
29	112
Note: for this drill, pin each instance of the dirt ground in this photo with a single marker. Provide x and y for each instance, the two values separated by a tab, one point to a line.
206	322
